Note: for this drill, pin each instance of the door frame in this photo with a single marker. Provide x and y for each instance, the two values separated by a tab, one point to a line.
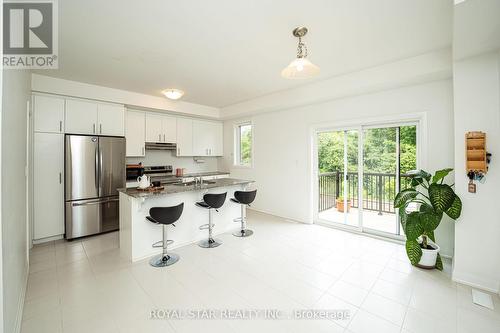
418	119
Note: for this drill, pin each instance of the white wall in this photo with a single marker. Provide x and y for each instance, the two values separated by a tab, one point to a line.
477	233
282	150
16	93
155	157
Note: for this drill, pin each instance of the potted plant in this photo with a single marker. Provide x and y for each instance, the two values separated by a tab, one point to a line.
421	208
340	204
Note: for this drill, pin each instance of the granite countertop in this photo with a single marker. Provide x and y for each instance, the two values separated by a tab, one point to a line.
194	174
172	189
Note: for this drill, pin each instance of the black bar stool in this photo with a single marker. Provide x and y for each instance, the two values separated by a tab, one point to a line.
211	201
244	198
164	216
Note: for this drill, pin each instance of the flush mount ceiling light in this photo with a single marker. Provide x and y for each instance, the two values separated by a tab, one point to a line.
300	68
173	93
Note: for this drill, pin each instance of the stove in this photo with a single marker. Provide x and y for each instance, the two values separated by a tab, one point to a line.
162	173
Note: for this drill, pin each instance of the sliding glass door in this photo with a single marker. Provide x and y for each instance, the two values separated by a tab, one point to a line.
338	176
359	173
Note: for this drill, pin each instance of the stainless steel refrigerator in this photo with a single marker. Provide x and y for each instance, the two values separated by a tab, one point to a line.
94	170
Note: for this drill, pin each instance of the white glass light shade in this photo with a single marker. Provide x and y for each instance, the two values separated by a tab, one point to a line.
300	68
173	93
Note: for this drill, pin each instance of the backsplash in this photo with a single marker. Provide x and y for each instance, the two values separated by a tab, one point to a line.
162	157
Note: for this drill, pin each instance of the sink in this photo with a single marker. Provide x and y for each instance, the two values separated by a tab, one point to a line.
205	182
184	184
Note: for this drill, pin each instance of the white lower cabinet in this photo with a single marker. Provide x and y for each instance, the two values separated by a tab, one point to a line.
48	186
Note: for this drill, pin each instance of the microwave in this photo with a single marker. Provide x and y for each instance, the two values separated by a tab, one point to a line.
134	171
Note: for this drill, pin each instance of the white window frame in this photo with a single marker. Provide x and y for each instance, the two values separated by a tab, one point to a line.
237	145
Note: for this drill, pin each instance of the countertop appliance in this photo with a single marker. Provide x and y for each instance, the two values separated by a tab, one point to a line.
94	170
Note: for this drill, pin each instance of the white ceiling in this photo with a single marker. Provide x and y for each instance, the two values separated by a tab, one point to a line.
476	27
226	51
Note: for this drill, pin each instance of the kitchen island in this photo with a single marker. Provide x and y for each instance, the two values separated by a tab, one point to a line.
137	234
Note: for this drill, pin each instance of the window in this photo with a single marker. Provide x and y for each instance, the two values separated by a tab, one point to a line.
243	145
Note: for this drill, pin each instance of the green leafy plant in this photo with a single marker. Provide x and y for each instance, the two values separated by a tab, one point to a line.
431	198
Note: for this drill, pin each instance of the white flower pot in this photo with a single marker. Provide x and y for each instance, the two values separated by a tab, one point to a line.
429	257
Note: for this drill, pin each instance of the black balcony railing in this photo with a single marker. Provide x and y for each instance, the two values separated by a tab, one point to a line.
379	190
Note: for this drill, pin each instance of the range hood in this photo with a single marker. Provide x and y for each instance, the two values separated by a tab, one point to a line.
160	146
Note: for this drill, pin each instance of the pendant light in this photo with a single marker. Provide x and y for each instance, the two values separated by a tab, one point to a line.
300	68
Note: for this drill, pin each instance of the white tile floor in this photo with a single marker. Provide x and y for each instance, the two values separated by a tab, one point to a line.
84	286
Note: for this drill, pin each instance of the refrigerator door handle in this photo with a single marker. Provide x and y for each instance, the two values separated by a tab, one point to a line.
94	202
96	169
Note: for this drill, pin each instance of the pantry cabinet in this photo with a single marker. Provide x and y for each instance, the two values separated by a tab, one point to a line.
48	185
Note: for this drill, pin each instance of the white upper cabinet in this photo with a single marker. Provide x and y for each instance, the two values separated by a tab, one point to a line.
207	138
135	133
111	119
154	132
48	114
161	128
218	150
81	117
87	117
184	137
169	126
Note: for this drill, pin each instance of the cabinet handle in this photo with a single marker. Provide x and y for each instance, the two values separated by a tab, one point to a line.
60	125
100	128
93	128
159	137
60	177
164	140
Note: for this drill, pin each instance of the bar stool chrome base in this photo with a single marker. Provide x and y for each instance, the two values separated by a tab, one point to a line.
243	233
209	243
164	260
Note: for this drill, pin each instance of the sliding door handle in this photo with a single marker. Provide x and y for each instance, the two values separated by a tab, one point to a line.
93	128
60	125
60	177
100	128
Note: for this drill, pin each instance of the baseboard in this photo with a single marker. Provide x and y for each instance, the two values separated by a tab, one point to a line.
473	282
20	305
48	239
